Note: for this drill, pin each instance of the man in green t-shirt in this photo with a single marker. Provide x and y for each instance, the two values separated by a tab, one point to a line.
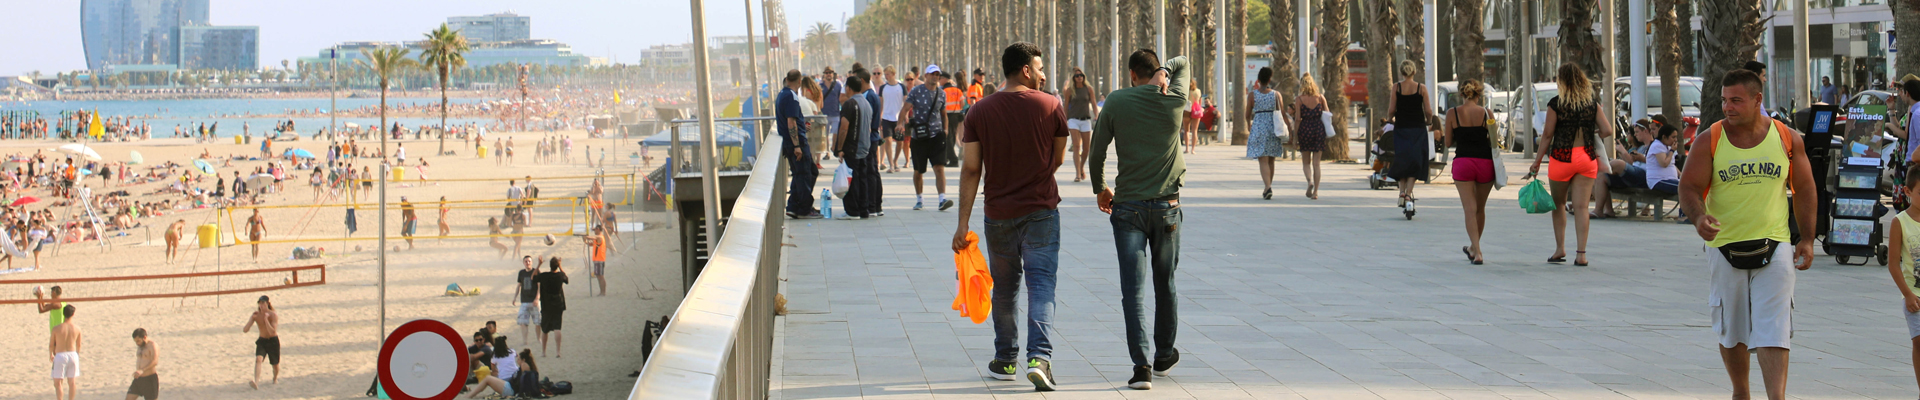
52	307
1143	122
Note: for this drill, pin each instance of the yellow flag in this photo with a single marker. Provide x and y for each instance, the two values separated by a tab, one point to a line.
94	128
616	97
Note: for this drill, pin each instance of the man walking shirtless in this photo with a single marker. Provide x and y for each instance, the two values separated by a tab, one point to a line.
64	350
267	347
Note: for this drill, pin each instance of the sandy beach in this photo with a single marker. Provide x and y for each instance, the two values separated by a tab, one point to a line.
330	332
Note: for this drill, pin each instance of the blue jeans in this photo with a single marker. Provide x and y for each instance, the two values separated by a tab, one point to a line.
1137	227
1026	245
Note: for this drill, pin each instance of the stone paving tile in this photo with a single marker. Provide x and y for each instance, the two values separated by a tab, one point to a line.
1340	298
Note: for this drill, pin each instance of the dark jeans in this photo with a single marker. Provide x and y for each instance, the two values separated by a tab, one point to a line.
800	190
1137	227
1026	245
874	187
954	121
859	192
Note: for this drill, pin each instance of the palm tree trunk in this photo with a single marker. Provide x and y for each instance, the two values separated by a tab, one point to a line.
1578	44
1179	37
1666	52
1906	13
1731	39
1683	15
1237	75
1412	15
1286	69
1469	39
443	110
1333	73
1380	65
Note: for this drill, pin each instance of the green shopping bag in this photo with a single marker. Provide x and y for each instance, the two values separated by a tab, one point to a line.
1535	199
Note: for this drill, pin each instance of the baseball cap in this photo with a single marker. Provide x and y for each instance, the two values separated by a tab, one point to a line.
932	68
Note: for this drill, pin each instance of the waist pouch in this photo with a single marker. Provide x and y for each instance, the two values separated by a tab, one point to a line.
922	131
1749	254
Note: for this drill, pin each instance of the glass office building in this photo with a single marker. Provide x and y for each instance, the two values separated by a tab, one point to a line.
116	32
233	48
504	27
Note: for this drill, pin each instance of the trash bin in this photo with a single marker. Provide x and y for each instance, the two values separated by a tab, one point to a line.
237	139
209	235
399	173
482	153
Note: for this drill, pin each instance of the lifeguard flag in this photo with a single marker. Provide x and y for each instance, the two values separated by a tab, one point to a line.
94	128
616	97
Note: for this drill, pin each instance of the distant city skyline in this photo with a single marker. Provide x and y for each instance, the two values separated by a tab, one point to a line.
50	41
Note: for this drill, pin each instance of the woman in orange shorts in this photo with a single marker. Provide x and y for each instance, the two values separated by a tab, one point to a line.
1574	127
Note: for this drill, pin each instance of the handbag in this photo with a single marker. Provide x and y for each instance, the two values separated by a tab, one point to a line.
1326	123
1749	254
1280	128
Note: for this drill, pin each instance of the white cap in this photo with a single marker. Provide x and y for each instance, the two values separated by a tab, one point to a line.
931	68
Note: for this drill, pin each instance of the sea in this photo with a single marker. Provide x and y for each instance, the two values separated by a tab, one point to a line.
164	115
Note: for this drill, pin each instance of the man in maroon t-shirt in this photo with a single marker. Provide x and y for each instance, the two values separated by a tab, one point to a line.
1020	135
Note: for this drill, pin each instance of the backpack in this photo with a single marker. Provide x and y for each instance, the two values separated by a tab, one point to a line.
559	388
1786	142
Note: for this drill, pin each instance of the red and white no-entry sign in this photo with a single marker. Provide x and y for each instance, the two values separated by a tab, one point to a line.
423	360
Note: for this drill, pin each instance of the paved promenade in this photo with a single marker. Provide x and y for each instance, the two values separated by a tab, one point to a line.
1339	298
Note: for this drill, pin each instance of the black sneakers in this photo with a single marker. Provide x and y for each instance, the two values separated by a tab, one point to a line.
946	204
1002	370
1041	373
1160	366
1142	378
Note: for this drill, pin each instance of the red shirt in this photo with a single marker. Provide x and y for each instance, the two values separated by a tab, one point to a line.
1017	132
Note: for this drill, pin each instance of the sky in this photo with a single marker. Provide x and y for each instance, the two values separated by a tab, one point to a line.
289	29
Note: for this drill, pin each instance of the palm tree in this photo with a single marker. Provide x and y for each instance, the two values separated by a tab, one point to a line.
819	40
1286	69
1469	35
1381	71
1666	52
387	63
1683	10
1333	72
1909	55
1413	28
1736	31
445	51
1577	42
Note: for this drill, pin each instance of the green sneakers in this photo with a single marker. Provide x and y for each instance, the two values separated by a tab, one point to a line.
1041	373
1002	370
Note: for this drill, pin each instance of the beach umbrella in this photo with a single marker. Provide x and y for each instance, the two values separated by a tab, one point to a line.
302	153
80	150
204	166
259	181
24	200
85	172
136	158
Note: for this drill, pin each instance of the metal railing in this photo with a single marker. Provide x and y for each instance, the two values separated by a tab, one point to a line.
719	343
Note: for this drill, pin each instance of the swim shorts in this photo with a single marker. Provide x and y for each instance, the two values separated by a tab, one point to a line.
66	365
269	348
529	315
147	387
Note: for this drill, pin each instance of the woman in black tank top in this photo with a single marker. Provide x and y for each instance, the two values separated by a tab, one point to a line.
1410	135
1473	172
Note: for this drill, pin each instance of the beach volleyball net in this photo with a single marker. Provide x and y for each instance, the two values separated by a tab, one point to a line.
346	215
134	287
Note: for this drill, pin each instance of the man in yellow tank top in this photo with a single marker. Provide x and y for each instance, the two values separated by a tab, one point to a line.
1736	188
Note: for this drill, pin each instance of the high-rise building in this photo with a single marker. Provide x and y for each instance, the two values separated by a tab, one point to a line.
135	31
219	47
502	27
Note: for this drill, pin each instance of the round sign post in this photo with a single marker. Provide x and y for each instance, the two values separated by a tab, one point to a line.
423	360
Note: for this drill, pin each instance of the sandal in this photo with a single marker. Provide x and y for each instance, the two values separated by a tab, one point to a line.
1583	255
1557	259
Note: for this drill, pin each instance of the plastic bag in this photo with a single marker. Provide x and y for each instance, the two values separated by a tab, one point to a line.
1535	199
842	179
974	295
1326	122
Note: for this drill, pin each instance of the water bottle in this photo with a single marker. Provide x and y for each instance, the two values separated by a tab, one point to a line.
826	203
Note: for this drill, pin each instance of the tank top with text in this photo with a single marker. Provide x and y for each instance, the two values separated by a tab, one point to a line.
1749	190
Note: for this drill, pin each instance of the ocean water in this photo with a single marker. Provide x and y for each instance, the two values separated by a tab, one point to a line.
164	115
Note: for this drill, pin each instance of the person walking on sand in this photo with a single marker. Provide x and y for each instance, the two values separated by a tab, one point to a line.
174	233
444	229
493	236
1019	135
525	290
256	230
553	303
1143	122
63	348
1750	163
146	368
408	221
599	244
266	348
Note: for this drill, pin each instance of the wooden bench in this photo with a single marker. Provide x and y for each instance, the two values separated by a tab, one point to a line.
1635	197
